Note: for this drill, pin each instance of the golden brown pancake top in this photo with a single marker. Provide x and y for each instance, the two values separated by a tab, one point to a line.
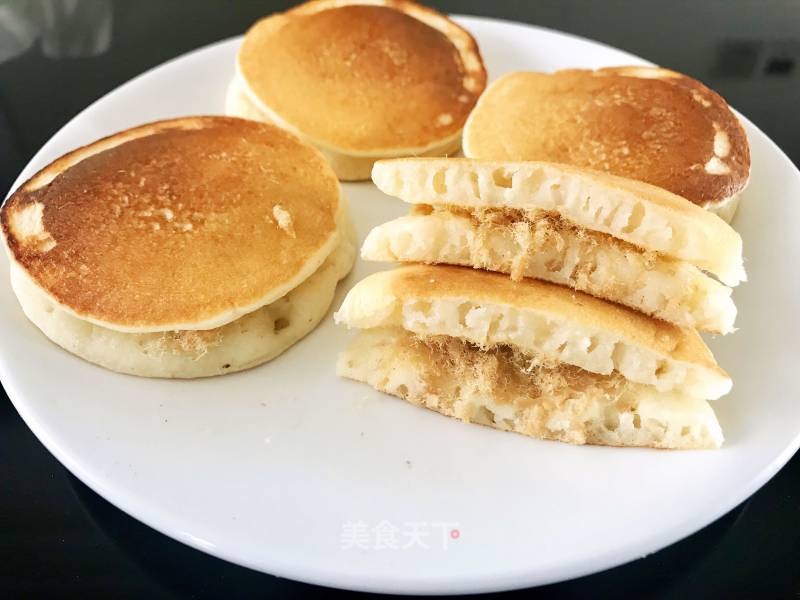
364	78
648	124
176	226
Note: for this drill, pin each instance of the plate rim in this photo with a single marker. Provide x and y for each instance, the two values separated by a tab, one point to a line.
500	580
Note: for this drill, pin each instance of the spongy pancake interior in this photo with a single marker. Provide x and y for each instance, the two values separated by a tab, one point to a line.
641	214
186	224
505	390
543	245
537	318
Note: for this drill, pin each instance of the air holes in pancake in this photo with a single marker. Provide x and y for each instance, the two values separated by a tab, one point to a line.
685	430
635	218
476	189
502	179
593	343
280	324
610	418
439	185
402	390
484	416
420	306
637	421
662	368
556	196
610	216
562	347
554	265
463	311
226	366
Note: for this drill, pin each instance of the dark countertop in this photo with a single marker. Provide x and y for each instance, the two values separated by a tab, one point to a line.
58	538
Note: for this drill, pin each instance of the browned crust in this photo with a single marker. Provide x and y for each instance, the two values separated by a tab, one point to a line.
643	123
171	225
364	76
441	281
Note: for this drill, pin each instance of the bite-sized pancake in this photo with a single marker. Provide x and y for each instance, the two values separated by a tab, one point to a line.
360	80
644	123
183	224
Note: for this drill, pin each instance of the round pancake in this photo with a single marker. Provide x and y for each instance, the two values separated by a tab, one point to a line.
181	224
643	123
348	167
251	340
388	77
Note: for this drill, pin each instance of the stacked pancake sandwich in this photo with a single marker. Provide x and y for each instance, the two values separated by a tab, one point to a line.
644	123
621	240
182	248
360	80
531	357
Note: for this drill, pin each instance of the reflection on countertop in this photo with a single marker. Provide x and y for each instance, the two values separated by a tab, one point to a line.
63	28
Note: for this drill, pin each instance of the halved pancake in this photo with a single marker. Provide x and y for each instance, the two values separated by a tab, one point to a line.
546	322
642	215
175	227
500	388
360	80
618	239
644	123
544	246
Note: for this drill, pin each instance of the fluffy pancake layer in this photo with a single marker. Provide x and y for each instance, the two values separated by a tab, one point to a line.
642	215
246	342
544	246
503	389
644	123
538	319
175	225
361	79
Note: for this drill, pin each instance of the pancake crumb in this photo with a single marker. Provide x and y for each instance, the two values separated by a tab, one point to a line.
716	166
722	145
698	97
284	220
27	225
444	119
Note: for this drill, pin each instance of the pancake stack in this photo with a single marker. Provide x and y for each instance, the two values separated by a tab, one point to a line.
360	80
531	357
183	248
617	239
572	314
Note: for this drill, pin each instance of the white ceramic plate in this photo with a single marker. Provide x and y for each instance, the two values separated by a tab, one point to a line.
291	471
